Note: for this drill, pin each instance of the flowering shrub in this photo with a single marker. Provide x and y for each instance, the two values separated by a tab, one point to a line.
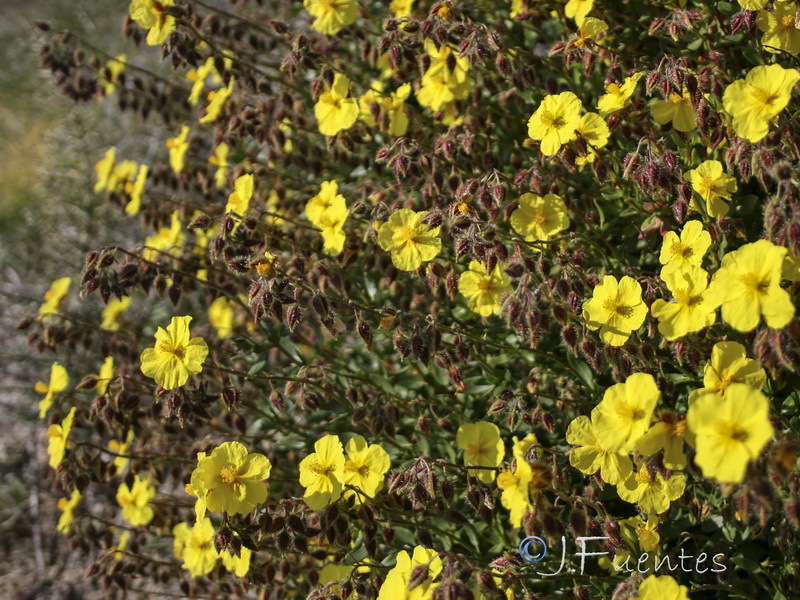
427	279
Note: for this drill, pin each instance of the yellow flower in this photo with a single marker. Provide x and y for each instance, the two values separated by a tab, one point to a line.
331	15
372	96
555	120
520	447
578	9
752	4
401	8
322	473
106	375
273	210
589	29
618	97
395	586
730	431
445	80
54	296
695	303
195	547
645	531
662	588
113	311
120	180
483	291
58	436
132	207
174	356
678	110
364	469
166	240
687	251
409	240
230	479
482	446
714	186
135	501
653	493
59	380
328	199
124	538
616	309
780	31
593	128
151	15
238	565
729	364
177	149
749	279
198	78
537	217
68	509
239	199
758	98
220	315
791	268
668	434
123	449
111	72
518	8
216	102
333	573
263	266
104	169
395	107
592	454
439	93
330	224
625	412
515	487
334	110
220	160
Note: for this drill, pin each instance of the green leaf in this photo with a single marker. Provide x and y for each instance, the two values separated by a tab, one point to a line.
257	367
292	350
583	370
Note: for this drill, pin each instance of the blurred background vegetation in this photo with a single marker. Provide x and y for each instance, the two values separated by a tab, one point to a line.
49	220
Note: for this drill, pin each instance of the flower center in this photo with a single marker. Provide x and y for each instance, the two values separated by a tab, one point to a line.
685	297
676	98
684	252
329	4
538	218
788	21
168	347
622	310
643	477
322	468
764	96
229	474
756	283
732	431
485	284
476	449
635	413
552	120
710	186
408	234
202	545
679	429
